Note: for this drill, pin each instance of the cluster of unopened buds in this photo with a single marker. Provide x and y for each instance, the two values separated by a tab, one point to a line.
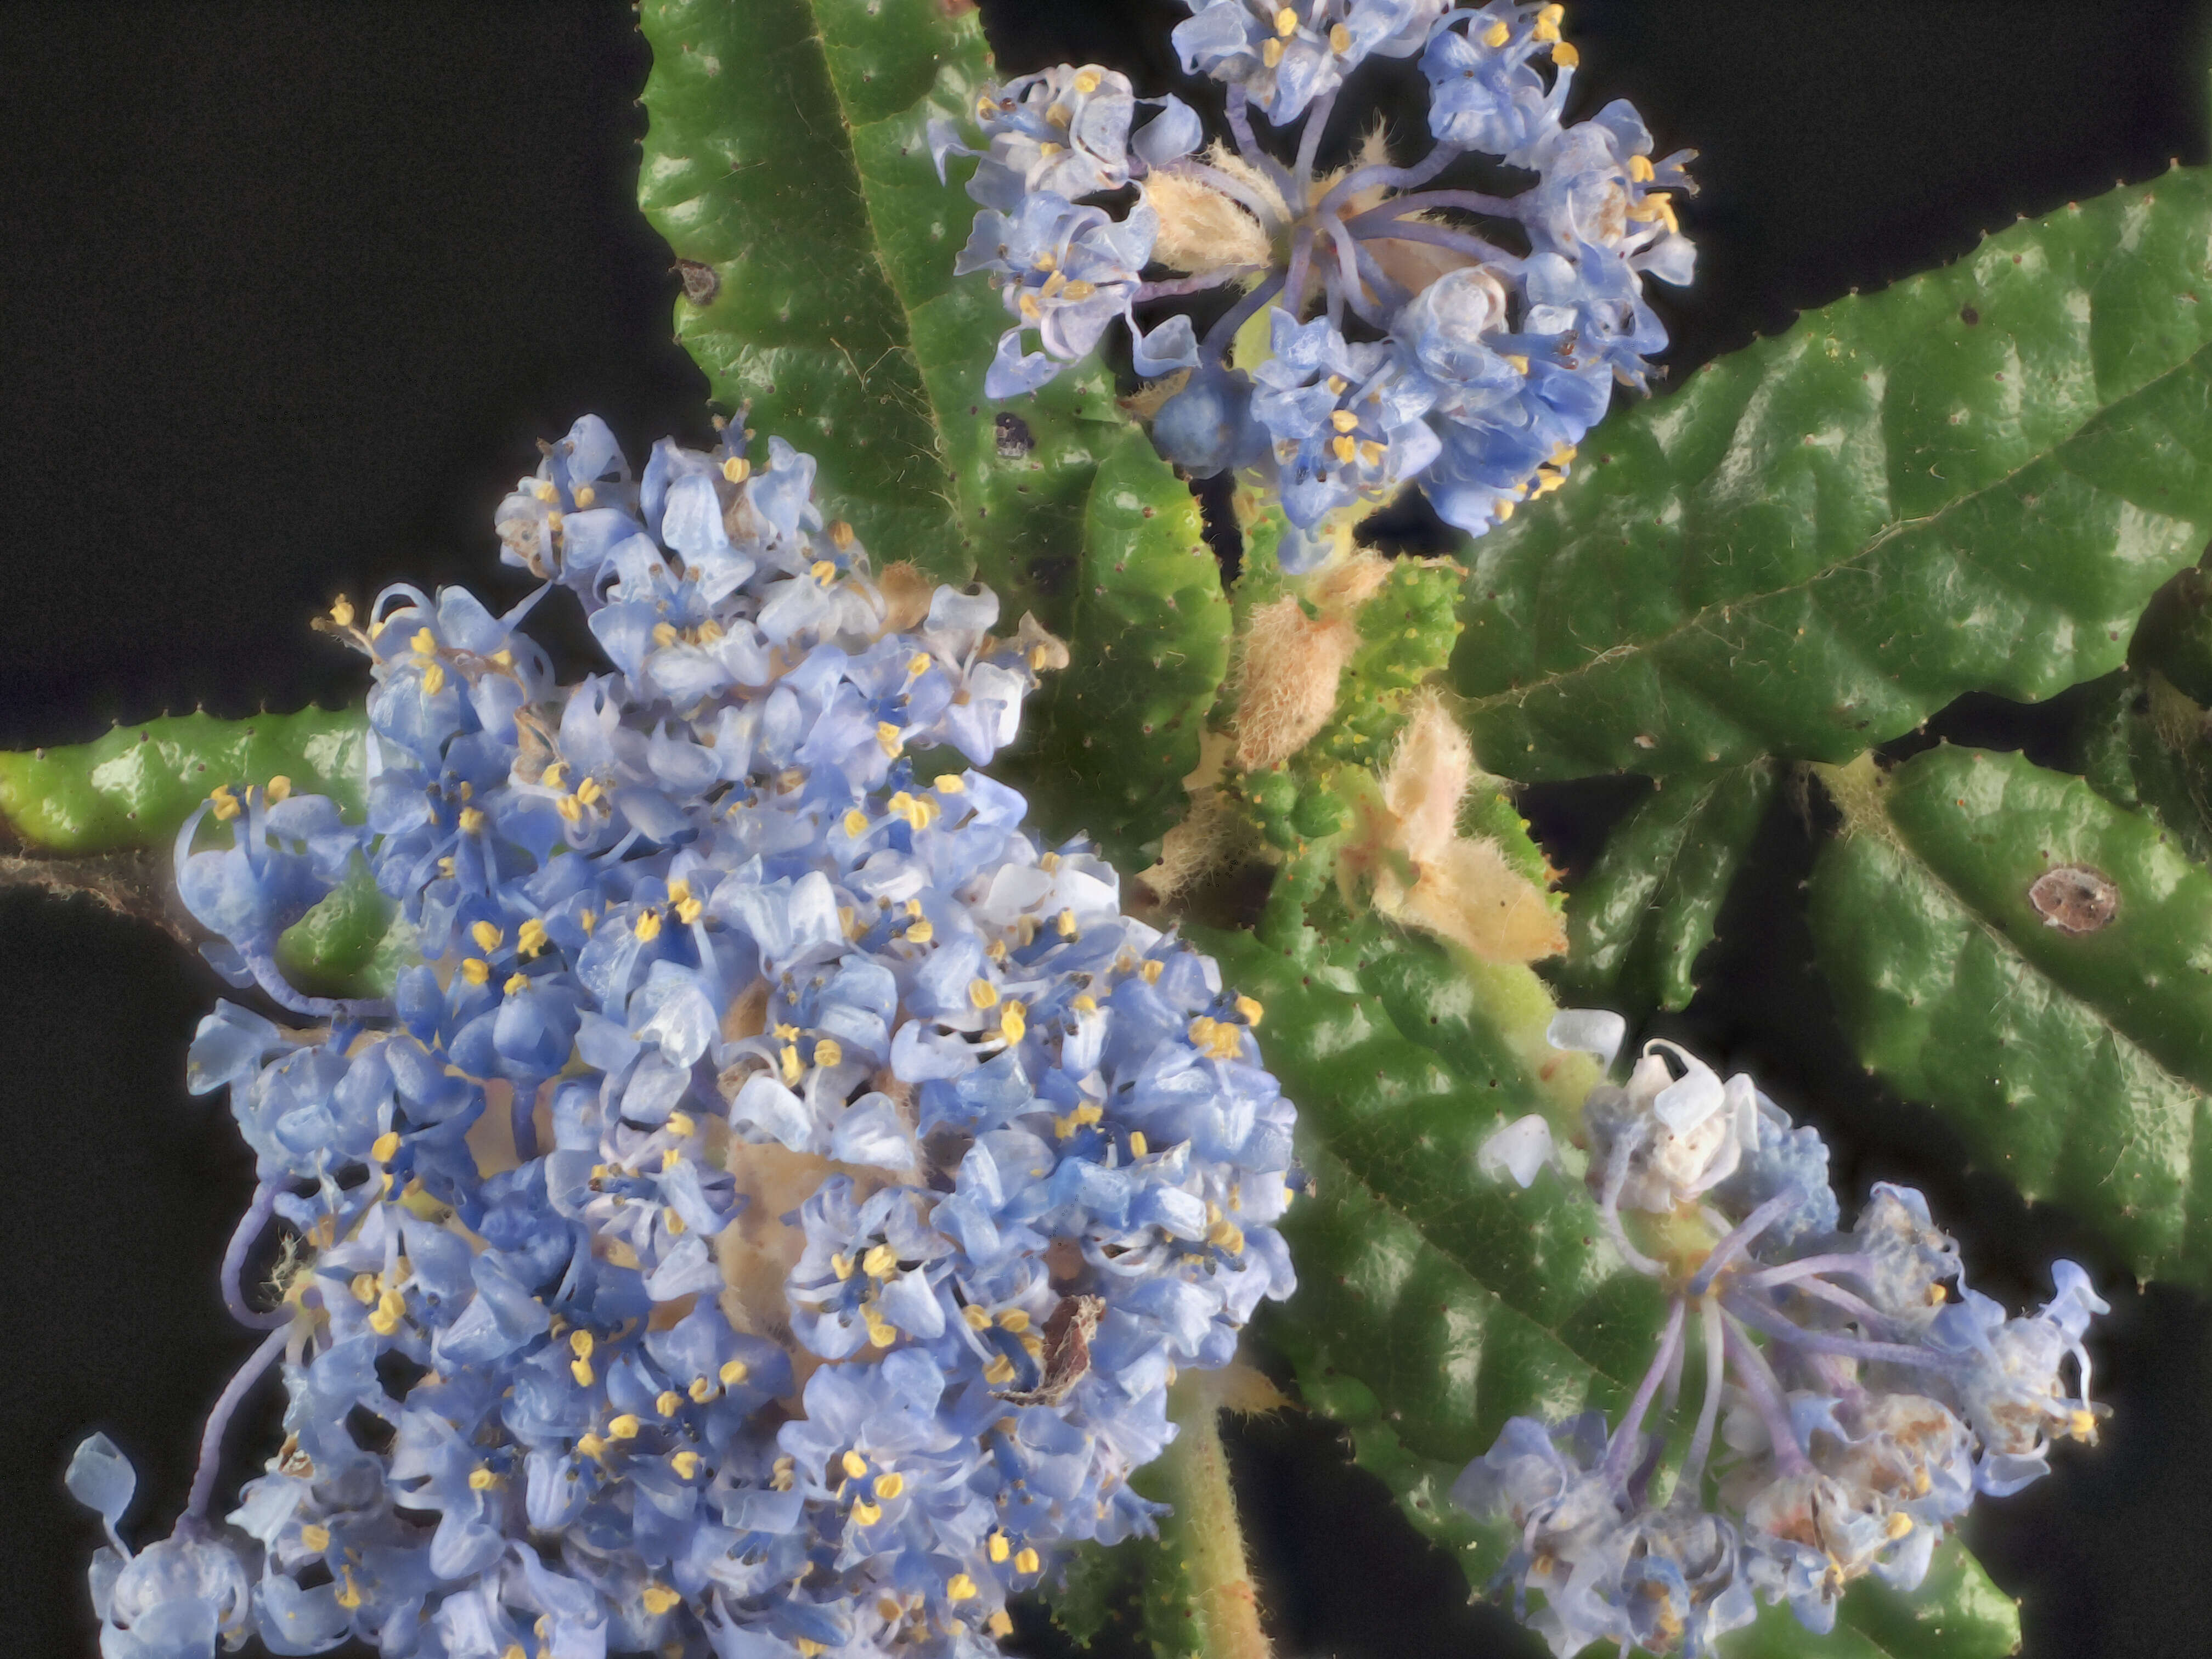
1856	1397
1386	329
769	1219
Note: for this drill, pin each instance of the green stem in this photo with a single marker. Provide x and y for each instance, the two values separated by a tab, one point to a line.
1203	1604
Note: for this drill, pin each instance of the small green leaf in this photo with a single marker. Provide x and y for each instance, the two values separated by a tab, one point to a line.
787	165
354	943
1124	719
1638	922
2141	745
1097	1583
1971	482
2076	1063
136	786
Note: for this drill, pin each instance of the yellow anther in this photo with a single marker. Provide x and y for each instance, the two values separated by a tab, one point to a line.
866	1514
544	491
646	925
1552	13
950	784
1496	36
516	982
856	823
674	1220
433	679
959	1587
226	804
665	634
1086	81
670	1158
841	1265
1001	1623
701	1390
477	970
317	1539
385	1146
1089	1113
1080	289
880	1263
686	1464
917	664
1565	56
530	938
1371	452
1149	971
1340	39
669	1403
853	1464
1013	1021
472	821
1014	1320
1505	509
280	788
737	469
1138	1144
822	571
486	936
2082	1425
689	910
569	808
1520	362
1343	420
1027	1561
997	1548
996	950
582	1371
624	1427
1227	1235
791	1069
1217	1039
482	1480
391	1307
889	739
591	1444
1271	52
1286	23
890	1485
365	1288
1085	1004
999	1371
977	1319
881	1333
585	495
841	534
982	994
733	1372
1053	285
342	611
590	921
348	1596
446	868
1045	261
1639	169
1547	28
580	1343
658	1598
1250	1009
424	644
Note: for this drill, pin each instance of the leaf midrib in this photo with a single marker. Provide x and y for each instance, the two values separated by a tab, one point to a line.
1515	694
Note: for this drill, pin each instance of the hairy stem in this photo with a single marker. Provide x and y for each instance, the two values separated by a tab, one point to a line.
1202	1539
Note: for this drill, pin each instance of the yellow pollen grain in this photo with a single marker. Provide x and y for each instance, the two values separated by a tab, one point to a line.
1565	56
737	469
280	788
486	936
387	1147
1087	82
317	1539
701	1390
1013	1021
866	1514
1149	970
1340	39
646	925
434	680
950	784
890	1485
226	804
624	1427
589	792
669	1403
472	821
959	1587
516	982
689	910
1027	1561
1138	1144
569	808
853	1464
581	1343
686	1464
530	938
999	1371
733	1372
476	971
880	1263
364	1287
889	739
982	994
1496	36
977	1319
658	1598
1344	420
1001	1622
841	1265
342	611
1085	1004
482	1480
856	823
1271	53
828	1051
920	932
665	634
1014	1320
998	1549
1286	23
822	571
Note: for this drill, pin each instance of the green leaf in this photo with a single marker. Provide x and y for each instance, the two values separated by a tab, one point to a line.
2075	1063
1638	922
1124	719
2141	745
1432	1305
136	786
354	943
787	166
1096	1583
1971	482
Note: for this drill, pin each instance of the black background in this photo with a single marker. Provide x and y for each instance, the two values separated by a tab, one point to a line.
286	295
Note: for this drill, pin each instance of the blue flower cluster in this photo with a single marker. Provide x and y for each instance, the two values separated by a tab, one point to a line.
1869	1394
1460	340
768	1221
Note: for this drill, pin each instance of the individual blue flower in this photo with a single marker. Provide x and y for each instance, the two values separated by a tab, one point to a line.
1067	272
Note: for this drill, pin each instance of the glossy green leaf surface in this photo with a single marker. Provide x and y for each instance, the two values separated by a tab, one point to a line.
1638	922
354	943
1973	481
1433	1304
137	785
787	165
2141	745
2076	1063
1121	725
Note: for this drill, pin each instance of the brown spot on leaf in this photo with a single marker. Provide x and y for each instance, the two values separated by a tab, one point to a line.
701	282
2075	898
